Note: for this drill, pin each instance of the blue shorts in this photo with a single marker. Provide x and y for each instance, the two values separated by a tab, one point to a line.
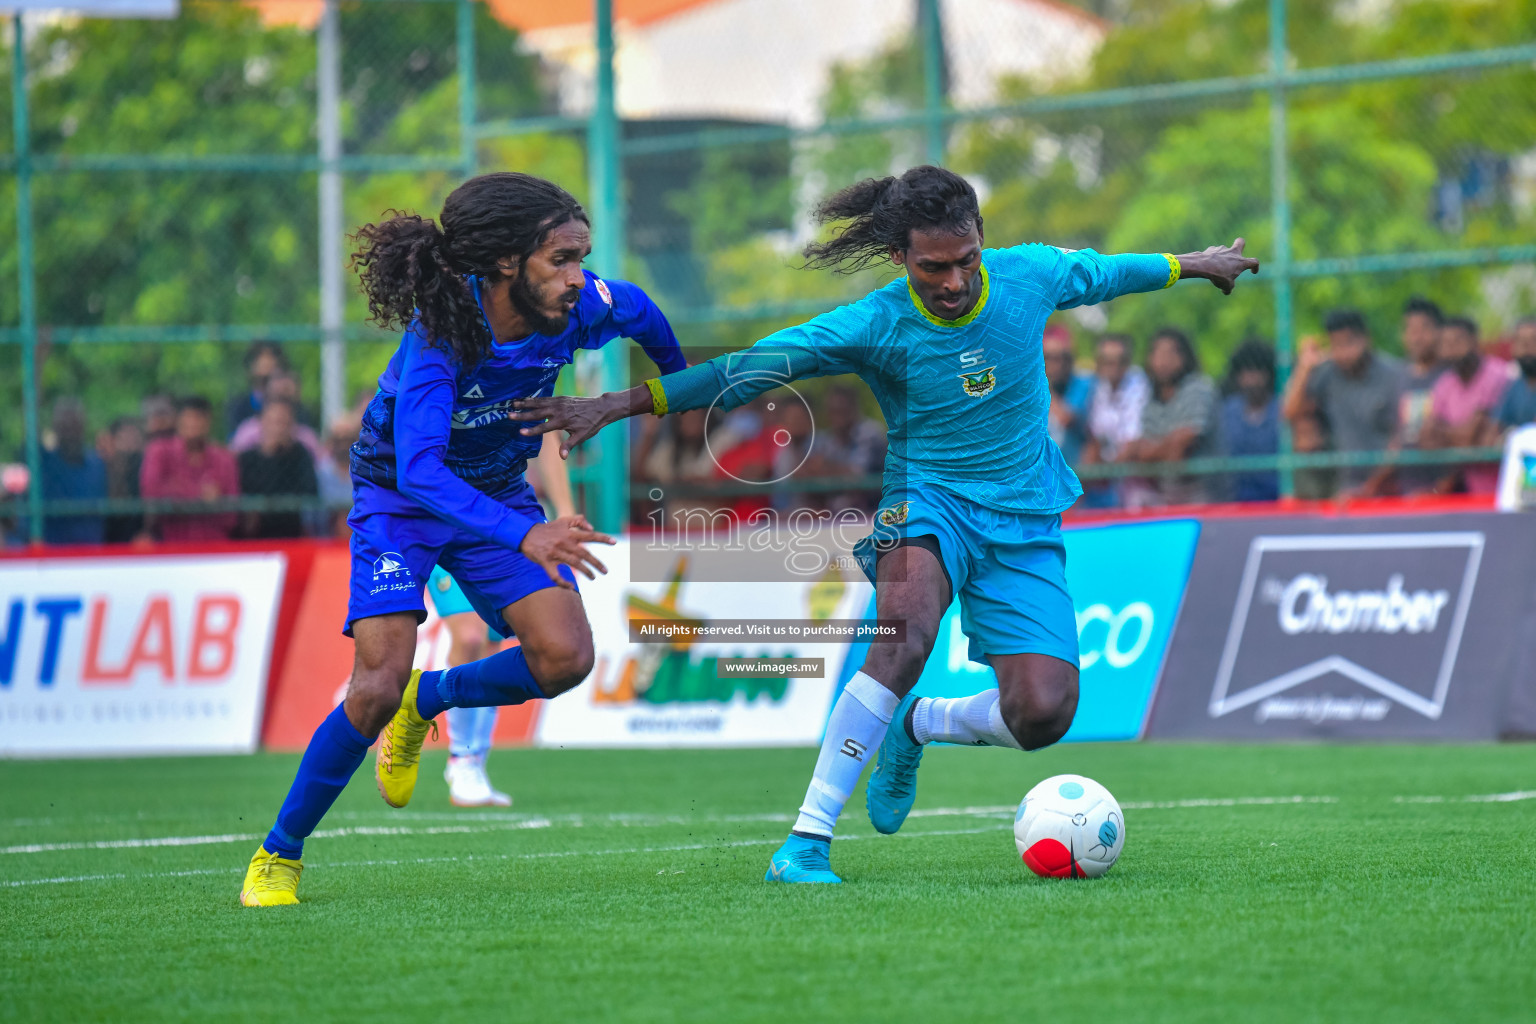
394	553
1009	569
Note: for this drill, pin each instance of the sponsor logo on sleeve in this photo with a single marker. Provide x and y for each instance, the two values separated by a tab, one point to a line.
602	290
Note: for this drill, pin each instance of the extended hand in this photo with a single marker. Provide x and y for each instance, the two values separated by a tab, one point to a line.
1221	265
564	541
580	418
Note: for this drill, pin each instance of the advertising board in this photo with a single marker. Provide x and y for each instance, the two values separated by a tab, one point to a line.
135	655
1386	628
673	694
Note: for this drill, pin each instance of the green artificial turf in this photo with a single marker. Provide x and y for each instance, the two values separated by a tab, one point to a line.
628	886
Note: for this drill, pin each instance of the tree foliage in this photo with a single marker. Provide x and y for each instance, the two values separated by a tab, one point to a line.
143	247
1370	164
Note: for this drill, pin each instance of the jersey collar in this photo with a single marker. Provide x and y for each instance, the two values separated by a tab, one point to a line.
981	302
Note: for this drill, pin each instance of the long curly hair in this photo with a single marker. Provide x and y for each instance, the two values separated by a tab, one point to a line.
412	270
885	212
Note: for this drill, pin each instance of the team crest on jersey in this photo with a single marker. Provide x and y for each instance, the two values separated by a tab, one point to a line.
895	515
602	289
979	382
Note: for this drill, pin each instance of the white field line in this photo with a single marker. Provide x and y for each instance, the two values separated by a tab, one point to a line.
245	837
469	858
1485	798
507	822
503	822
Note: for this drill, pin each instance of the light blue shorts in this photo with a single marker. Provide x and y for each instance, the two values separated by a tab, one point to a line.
1009	569
447	597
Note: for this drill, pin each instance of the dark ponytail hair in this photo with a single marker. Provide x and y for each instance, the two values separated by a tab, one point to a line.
885	212
413	270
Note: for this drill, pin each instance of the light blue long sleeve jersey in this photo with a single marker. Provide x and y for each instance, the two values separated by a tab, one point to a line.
965	401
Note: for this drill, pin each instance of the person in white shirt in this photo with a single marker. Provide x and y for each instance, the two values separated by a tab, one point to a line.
1114	413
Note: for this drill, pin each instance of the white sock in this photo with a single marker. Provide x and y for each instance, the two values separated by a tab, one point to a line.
854	733
975	720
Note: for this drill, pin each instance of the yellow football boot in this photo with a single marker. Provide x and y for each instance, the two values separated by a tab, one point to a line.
271	881
400	748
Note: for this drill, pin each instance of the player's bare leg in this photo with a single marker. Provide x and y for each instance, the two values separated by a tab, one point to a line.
1031	707
381	667
556	638
911	587
555	654
1037	698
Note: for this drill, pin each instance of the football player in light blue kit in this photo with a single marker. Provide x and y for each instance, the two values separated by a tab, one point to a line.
974	487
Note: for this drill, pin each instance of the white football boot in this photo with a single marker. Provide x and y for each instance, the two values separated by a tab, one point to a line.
469	786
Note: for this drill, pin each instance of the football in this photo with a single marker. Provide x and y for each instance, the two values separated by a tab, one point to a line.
1069	827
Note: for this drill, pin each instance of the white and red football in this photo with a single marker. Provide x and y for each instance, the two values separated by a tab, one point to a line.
1069	827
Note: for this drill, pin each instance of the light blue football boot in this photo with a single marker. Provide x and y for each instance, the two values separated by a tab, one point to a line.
893	783
802	860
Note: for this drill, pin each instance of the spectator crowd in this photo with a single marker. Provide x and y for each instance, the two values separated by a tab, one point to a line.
1345	394
169	453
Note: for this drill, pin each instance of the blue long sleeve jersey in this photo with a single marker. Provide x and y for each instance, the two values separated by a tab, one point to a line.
965	401
436	437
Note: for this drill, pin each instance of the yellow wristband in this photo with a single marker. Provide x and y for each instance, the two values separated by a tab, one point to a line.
1174	270
658	396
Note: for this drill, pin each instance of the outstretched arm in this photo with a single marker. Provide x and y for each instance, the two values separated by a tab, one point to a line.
825	345
1086	278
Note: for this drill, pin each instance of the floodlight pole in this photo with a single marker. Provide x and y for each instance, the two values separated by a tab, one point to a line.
333	339
931	33
604	178
1280	204
26	274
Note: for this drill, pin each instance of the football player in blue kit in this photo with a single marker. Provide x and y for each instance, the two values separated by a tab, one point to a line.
974	487
493	301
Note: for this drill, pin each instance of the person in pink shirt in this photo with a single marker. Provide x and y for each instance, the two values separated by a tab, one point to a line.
1462	404
189	467
285	387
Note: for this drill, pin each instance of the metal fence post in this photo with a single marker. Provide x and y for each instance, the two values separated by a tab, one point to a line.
604	171
333	339
26	274
1280	202
931	31
468	112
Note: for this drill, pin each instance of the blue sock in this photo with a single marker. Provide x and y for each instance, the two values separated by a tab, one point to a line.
497	681
333	754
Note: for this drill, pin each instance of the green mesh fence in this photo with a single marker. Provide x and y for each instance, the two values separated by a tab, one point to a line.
162	182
